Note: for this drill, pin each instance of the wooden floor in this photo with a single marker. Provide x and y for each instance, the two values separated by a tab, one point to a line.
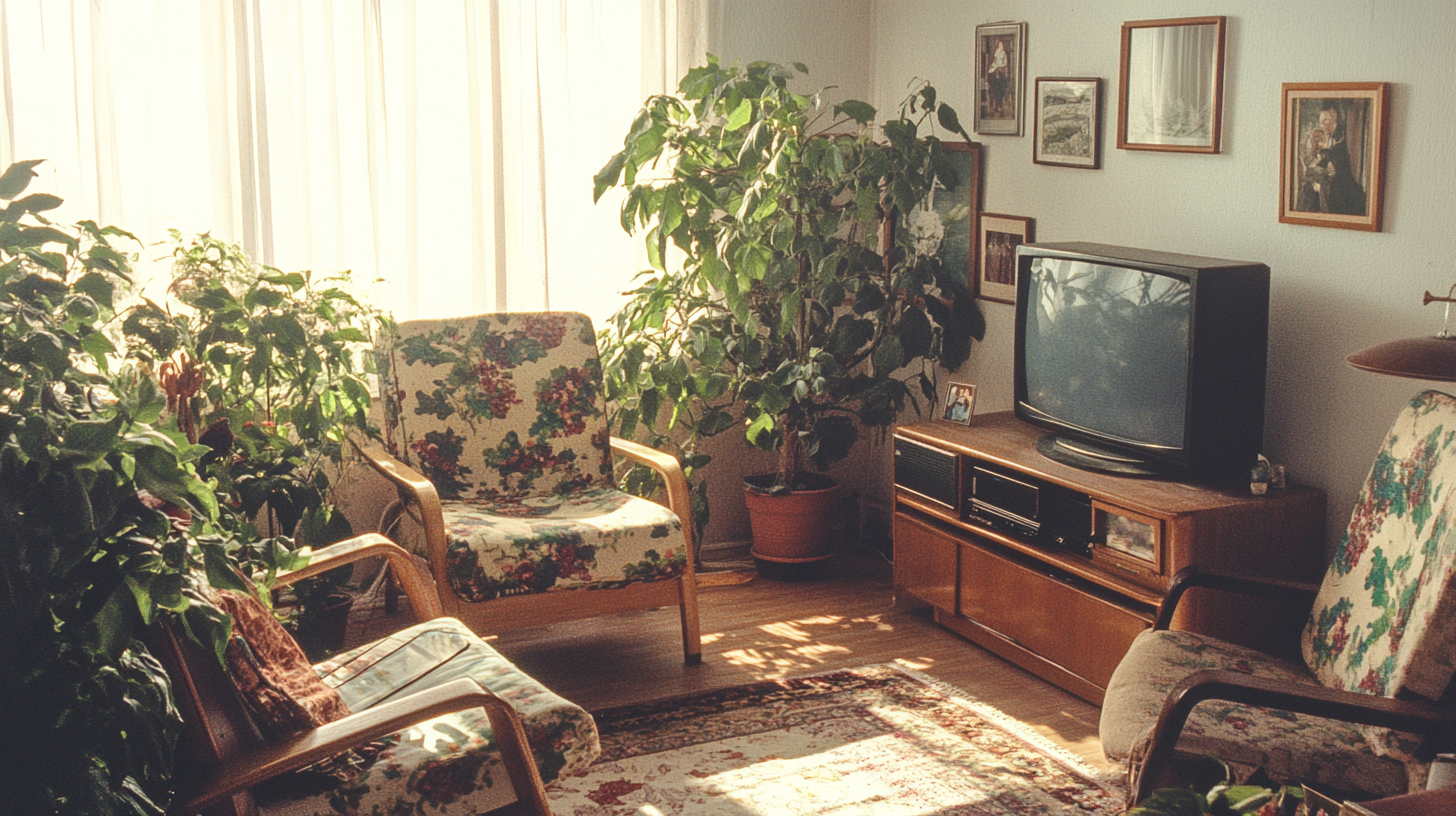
764	629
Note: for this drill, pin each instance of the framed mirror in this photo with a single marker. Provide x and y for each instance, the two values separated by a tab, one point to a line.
1171	93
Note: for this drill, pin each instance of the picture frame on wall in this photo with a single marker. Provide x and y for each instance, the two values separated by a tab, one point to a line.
1332	154
1067	123
1000	235
947	221
1170	95
1000	78
960	403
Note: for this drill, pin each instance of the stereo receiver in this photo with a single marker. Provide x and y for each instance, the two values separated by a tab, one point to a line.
1047	514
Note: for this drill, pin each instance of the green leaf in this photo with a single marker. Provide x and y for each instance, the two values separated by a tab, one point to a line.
16	178
836	435
888	357
740	116
861	112
90	440
946	115
608	175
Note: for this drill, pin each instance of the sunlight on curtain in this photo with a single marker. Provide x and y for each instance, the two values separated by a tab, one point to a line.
445	147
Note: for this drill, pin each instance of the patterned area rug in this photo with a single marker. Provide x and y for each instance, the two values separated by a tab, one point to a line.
876	740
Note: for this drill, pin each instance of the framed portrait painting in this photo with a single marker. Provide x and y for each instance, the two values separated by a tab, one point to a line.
1000	78
960	403
946	221
1000	236
1332	151
1067	122
1171	92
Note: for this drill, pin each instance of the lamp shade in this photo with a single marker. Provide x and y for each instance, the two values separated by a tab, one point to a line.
1419	358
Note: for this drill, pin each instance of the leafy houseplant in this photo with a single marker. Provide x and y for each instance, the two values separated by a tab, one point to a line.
775	299
270	366
104	528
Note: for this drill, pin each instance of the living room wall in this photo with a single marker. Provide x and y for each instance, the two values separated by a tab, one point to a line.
1333	291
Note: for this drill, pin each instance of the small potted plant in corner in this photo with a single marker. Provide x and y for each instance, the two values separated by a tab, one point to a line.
267	369
780	297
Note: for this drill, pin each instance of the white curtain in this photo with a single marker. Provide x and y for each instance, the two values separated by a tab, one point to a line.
445	147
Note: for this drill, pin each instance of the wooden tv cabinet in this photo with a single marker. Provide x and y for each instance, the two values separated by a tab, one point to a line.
1069	613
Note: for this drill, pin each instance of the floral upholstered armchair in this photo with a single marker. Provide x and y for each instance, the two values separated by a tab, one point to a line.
495	437
1372	699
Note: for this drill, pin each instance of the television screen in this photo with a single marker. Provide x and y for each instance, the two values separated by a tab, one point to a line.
1107	349
1142	362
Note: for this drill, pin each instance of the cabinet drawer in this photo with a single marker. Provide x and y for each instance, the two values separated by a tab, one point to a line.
1069	625
925	562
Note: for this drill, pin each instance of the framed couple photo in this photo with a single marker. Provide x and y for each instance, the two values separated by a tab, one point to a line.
960	403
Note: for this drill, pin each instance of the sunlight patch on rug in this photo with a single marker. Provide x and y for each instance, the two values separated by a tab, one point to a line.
875	740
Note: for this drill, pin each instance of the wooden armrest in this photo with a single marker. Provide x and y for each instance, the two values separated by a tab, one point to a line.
271	759
1299	698
679	496
395	471
1190	577
413	489
424	600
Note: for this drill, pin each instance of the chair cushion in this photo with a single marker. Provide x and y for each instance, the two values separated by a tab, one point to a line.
496	406
1384	621
1291	747
595	539
448	765
271	673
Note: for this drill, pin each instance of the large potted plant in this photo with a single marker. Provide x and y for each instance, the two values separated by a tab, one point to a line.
104	527
781	298
267	370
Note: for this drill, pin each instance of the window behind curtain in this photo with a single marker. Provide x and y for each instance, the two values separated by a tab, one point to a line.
446	147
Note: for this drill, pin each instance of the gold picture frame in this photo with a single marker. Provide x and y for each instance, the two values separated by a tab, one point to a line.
1332	154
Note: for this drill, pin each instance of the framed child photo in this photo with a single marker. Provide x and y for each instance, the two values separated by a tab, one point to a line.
1332	154
1000	78
1067	128
1000	236
960	403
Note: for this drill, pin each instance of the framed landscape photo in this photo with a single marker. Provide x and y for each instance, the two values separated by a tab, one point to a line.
1000	78
960	403
1000	236
946	222
1332	154
1171	92
1067	122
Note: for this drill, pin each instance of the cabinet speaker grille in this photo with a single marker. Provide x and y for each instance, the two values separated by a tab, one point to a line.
926	471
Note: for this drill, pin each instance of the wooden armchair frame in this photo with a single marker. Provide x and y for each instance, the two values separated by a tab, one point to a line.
418	499
225	754
1418	716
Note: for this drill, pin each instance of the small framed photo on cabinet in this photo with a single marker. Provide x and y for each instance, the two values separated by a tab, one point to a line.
960	403
1000	236
1068	122
1332	154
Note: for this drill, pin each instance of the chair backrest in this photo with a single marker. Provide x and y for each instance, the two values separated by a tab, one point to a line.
497	406
1384	621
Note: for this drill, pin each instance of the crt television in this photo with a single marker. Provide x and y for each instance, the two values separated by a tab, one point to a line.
1142	362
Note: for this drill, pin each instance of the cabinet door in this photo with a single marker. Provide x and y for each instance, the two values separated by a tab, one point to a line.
925	563
1068	625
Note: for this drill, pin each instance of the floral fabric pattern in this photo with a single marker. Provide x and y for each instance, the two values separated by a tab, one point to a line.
450	765
502	413
593	539
1289	746
497	406
1385	618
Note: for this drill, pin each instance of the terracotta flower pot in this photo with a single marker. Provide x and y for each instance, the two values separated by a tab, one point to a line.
794	530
